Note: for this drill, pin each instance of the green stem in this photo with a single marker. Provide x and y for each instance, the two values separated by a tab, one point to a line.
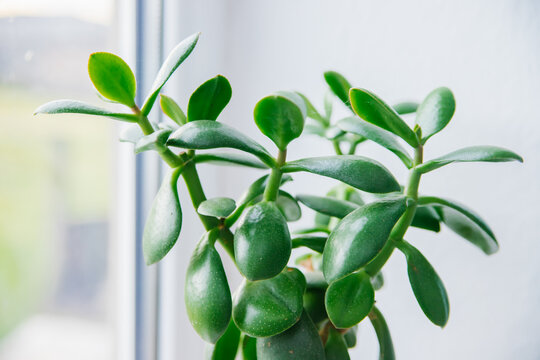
274	181
386	348
336	147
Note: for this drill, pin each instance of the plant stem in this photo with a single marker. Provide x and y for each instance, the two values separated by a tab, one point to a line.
337	149
404	221
274	181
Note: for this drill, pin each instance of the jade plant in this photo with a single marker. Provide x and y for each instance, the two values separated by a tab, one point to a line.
308	307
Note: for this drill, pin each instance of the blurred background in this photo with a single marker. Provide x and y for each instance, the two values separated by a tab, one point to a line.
71	282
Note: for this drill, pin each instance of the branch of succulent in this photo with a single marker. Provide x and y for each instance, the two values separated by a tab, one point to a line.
279	311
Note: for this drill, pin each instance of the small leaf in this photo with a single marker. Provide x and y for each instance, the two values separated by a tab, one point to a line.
164	222
335	347
227	345
359	172
377	281
172	110
339	86
315	243
209	134
207	293
435	112
249	348
280	119
169	66
312	111
79	107
359	237
132	133
262	243
288	206
268	307
228	159
350	337
328	104
406	108
463	222
470	154
327	205
300	342
315	130
382	137
219	207
373	110
386	347
209	100
349	300
154	141
426	218
426	284
112	78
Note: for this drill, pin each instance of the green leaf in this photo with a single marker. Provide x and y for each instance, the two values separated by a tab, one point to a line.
350	337
209	100
288	206
164	221
359	172
132	133
249	348
262	243
315	130
359	237
377	281
463	222
112	78
426	217
300	342
227	345
373	110
335	347
154	141
268	307
349	300
386	347
312	112
315	243
219	207
328	205
280	119
207	294
406	108
435	112
172	109
314	304
79	107
169	66
209	134
328	104
339	86
227	159
470	154
382	137
426	284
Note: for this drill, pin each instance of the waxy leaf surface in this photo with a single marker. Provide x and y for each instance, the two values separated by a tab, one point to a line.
336	347
249	348
405	107
227	345
435	112
315	243
172	109
386	347
339	86
314	304
328	205
426	217
154	141
219	207
228	159
209	100
112	78
79	107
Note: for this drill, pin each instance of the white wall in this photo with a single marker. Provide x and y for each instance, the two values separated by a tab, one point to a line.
488	53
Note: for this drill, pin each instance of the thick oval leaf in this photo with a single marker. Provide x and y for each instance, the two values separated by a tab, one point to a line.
227	345
327	205
154	141
359	237
112	78
172	110
435	112
350	337
382	137
209	134
262	243
268	307
349	300
464	222
209	100
314	304
228	159
288	206
207	294
470	154
336	347
386	347
426	284
163	224
300	342
372	109
171	63
249	348
219	207
406	107
339	86
359	172
315	243
280	119
79	107
426	217
312	112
